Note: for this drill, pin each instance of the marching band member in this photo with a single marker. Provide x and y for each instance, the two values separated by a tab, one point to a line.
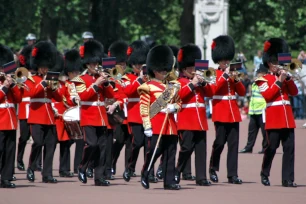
122	136
192	130
72	69
226	114
41	115
92	92
158	103
23	109
10	94
137	54
276	88
59	108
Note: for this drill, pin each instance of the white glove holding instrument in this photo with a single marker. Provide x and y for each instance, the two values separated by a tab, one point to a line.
148	132
170	108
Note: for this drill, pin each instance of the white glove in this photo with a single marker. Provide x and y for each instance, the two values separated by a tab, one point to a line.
171	108
148	132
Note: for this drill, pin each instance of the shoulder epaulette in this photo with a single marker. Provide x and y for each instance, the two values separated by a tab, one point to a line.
31	79
78	79
261	79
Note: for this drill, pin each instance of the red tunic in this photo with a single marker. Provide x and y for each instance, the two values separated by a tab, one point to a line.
8	97
133	98
93	111
278	111
24	105
41	111
193	112
149	92
225	107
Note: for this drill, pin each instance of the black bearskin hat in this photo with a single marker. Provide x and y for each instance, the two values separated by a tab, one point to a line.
119	50
222	48
175	50
160	58
6	55
43	55
137	52
272	47
25	57
72	61
92	52
187	55
59	63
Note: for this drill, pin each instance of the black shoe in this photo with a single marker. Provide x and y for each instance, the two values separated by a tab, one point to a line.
66	174
246	150
145	180
7	184
89	173
265	180
82	176
101	182
153	179
111	177
213	176
49	179
126	175
159	173
13	178
287	183
188	177
203	182
261	151
177	177
113	170
234	180
20	166
30	175
172	187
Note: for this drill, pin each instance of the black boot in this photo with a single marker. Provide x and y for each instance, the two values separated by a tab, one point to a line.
89	173
265	180
288	183
126	175
213	176
177	176
20	166
188	177
7	184
49	179
172	187
159	172
30	175
101	182
82	176
234	180
145	180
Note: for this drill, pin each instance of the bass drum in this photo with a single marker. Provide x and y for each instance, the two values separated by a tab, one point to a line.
71	119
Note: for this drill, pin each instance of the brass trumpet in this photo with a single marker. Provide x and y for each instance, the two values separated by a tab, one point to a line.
295	66
19	77
117	72
236	75
208	76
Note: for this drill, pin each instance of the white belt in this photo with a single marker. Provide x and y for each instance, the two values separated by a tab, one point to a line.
7	105
40	100
224	97
193	105
278	103
133	99
26	99
92	103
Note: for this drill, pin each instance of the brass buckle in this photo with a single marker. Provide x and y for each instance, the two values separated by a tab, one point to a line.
229	97
7	105
284	102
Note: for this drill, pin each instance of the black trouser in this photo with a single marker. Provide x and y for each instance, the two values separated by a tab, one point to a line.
193	140
107	166
78	153
226	132
65	155
254	125
43	136
274	137
122	137
94	149
167	147
7	152
24	137
139	140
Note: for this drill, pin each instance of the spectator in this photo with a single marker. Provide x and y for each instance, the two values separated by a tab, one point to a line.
302	57
257	61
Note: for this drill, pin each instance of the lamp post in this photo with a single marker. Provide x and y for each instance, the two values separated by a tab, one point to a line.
205	26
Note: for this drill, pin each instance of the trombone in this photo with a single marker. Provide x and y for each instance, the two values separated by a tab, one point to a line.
19	77
208	75
294	68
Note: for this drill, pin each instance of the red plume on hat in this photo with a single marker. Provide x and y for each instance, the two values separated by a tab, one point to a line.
34	51
82	51
22	60
180	55
213	45
267	45
129	51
